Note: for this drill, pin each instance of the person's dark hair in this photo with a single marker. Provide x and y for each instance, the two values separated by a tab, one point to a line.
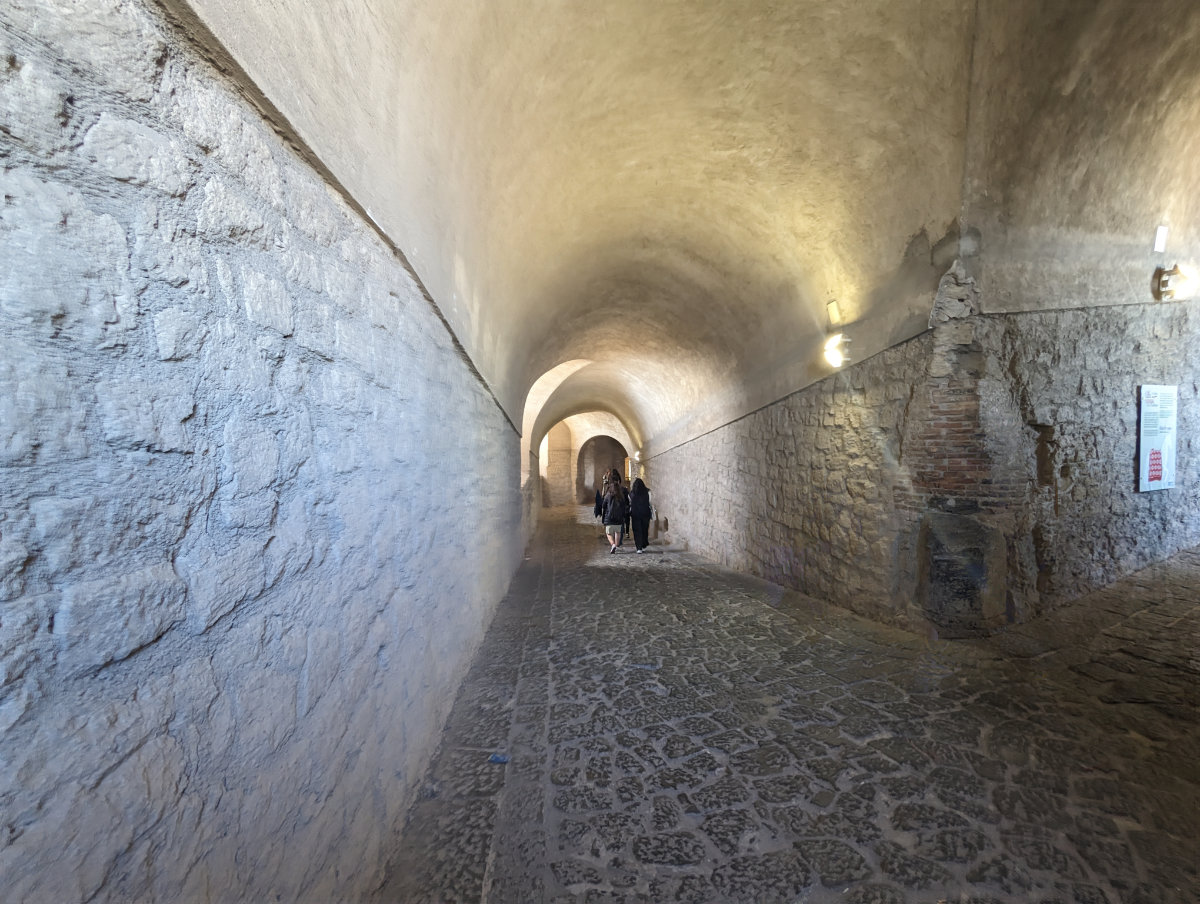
638	488
616	476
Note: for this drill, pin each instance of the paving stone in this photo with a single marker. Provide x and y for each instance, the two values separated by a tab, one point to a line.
575	872
954	845
774	877
908	869
1004	873
874	894
682	740
671	848
782	788
835	862
726	829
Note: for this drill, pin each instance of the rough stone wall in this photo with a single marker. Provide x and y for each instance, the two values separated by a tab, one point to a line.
980	474
241	564
560	466
803	492
1076	377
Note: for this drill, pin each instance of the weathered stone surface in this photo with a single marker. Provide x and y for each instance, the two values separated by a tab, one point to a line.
105	620
131	152
953	479
226	640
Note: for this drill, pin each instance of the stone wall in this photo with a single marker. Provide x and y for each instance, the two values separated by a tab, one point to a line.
803	492
1077	378
977	475
241	569
560	466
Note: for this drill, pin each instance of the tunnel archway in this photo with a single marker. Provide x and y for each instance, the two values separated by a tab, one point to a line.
560	449
597	455
543	387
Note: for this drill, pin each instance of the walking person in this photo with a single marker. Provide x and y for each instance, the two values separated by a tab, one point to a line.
614	515
618	480
640	511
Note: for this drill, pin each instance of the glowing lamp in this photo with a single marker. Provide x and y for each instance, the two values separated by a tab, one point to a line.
1177	284
835	353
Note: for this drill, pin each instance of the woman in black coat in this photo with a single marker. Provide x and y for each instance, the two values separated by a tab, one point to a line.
614	514
640	511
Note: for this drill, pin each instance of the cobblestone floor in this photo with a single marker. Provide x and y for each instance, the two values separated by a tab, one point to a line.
676	732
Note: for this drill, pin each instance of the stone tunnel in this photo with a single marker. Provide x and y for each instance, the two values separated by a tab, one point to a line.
311	311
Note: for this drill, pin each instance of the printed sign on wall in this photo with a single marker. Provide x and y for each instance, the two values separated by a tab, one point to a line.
1156	437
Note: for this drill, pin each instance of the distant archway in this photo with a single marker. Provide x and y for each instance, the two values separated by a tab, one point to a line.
597	455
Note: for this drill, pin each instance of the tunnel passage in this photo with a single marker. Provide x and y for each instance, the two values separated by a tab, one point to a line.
255	259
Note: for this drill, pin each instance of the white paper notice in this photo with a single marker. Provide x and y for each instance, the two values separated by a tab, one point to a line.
1156	437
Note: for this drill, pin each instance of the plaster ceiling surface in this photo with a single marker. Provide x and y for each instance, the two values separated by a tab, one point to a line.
618	392
670	190
1085	138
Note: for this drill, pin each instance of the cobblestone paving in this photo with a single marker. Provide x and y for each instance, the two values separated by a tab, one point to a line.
675	732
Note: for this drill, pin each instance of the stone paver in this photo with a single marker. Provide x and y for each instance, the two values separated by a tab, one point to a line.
675	732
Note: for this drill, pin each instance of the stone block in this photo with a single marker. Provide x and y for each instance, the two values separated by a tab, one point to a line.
302	268
33	103
315	328
251	453
367	347
42	412
255	512
218	582
105	620
164	251
963	574
179	332
66	270
119	42
265	702
74	533
131	152
228	214
267	302
291	549
141	414
324	658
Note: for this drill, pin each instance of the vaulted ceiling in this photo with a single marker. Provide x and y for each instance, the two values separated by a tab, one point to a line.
668	193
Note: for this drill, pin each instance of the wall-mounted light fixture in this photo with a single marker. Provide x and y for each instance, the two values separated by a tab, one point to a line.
1160	239
833	312
835	350
1177	284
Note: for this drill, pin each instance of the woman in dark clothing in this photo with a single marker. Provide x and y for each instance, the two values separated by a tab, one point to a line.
640	511
618	480
614	514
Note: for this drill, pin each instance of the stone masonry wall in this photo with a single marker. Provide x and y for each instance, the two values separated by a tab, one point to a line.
803	492
1077	375
241	567
980	474
560	466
